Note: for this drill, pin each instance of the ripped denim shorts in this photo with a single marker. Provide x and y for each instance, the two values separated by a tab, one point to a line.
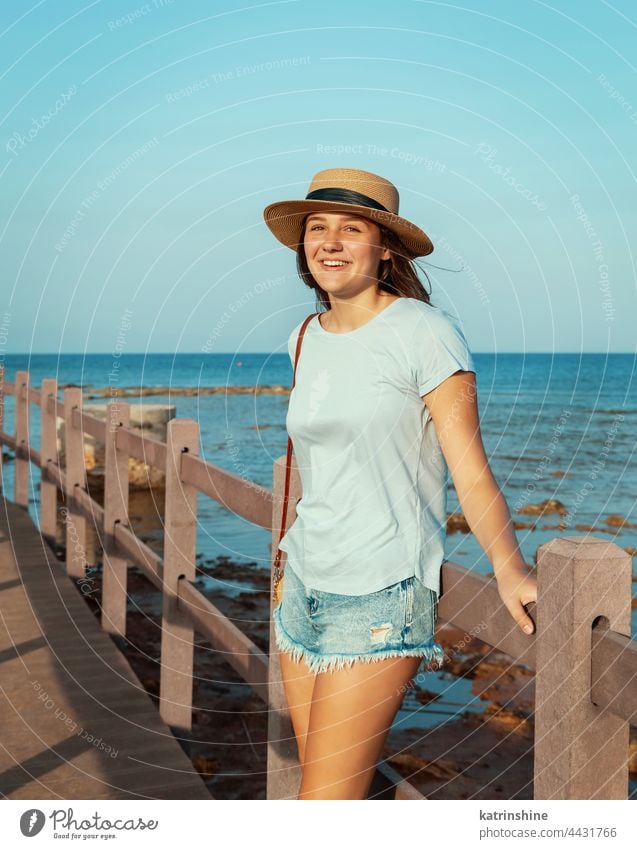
330	630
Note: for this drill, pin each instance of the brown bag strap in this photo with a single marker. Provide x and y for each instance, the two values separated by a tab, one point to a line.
288	461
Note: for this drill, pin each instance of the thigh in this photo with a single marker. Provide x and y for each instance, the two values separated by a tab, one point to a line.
352	711
298	685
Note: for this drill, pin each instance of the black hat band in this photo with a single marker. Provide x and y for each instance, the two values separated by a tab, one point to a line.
345	196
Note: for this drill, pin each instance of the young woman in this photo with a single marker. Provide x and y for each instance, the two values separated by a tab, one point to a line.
383	406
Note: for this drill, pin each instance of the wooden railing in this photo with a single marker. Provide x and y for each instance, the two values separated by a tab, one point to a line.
584	660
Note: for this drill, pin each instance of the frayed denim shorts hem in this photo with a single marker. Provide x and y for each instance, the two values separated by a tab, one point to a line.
330	630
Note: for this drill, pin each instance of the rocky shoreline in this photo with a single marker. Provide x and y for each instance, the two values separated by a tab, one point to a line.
185	391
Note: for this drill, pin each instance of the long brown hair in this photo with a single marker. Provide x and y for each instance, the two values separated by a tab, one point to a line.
398	275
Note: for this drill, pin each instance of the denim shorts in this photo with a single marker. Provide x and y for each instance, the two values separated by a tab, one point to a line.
331	630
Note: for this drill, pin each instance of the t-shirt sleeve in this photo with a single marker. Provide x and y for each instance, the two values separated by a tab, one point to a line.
439	349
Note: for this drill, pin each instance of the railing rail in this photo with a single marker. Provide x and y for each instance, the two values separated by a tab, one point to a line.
584	660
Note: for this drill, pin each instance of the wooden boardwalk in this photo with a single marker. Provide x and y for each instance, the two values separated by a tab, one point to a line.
76	722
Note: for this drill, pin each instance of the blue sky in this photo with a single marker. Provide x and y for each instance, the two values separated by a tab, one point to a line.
141	142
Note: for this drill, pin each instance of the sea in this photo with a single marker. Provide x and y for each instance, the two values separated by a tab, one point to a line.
554	426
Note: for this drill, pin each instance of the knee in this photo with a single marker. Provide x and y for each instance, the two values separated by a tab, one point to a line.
335	792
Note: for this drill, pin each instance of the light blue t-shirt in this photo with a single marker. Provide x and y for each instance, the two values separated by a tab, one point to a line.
374	480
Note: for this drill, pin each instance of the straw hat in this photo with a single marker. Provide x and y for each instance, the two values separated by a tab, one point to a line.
346	190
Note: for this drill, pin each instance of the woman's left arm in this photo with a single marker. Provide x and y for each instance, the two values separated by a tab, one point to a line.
454	411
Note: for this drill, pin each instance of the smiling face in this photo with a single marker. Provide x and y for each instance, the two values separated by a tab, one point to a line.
343	251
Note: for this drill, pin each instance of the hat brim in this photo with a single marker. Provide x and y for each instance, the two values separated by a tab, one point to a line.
284	219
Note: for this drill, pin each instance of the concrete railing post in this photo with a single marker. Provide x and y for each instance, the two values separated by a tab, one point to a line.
284	773
21	482
115	577
180	540
74	521
48	451
581	751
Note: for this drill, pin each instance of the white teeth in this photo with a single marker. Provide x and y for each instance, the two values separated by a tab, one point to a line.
333	262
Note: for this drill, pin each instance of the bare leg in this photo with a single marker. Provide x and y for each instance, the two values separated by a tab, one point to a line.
298	684
352	711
